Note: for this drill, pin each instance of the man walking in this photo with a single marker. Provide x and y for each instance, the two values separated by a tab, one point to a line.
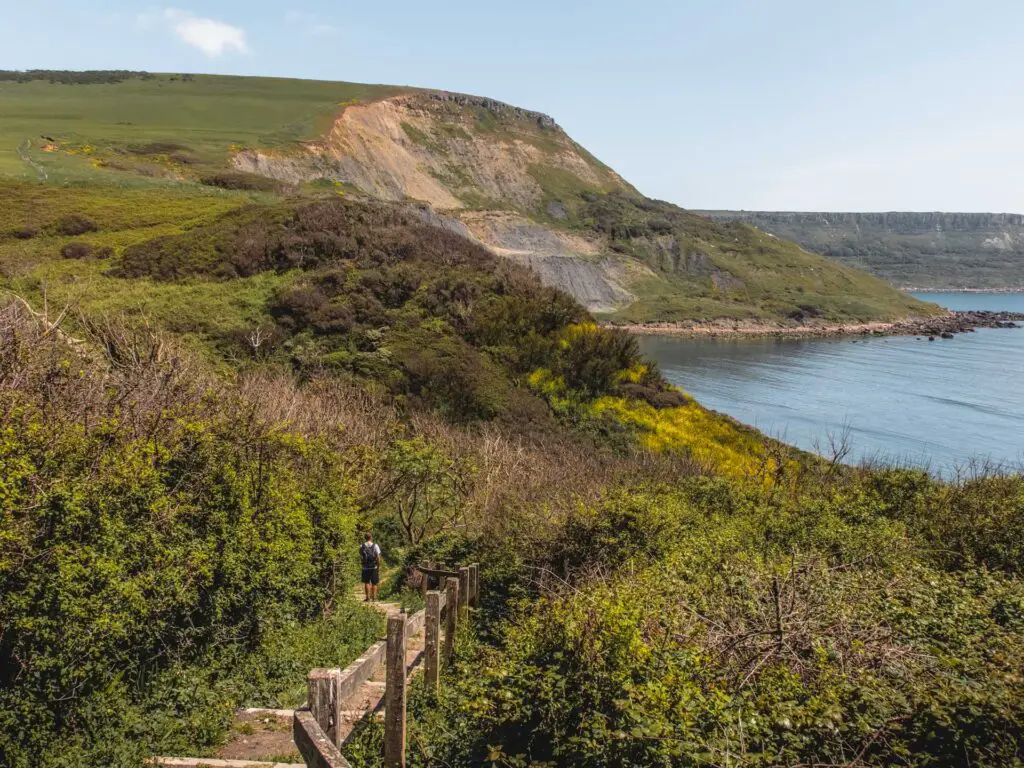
369	554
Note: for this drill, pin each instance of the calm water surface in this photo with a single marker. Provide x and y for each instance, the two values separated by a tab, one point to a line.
939	405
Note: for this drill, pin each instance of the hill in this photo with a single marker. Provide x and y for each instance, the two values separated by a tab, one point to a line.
506	177
212	380
917	250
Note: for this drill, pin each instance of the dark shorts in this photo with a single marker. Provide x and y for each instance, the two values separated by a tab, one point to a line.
371	576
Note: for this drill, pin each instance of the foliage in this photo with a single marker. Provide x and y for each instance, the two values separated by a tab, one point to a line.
240	180
678	627
67	77
155	535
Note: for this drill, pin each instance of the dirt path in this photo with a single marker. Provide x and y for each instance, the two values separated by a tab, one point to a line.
265	735
26	158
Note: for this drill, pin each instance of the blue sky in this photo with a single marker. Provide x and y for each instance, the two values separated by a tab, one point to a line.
792	104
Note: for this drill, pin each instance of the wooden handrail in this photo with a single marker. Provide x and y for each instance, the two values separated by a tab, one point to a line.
314	745
316	729
436	572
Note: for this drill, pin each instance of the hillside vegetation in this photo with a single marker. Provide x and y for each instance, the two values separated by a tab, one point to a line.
507	177
212	380
931	251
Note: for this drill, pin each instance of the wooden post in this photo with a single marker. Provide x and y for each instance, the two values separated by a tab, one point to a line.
474	585
432	644
452	617
394	694
324	704
463	587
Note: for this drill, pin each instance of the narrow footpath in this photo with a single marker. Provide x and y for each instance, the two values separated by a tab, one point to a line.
262	738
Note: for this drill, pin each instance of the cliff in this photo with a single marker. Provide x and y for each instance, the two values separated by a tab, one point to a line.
919	250
508	178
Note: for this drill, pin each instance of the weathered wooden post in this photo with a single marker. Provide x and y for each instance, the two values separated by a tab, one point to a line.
432	641
324	703
451	617
394	693
463	588
474	585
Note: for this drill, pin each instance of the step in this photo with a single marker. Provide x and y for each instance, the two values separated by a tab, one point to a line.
263	736
213	762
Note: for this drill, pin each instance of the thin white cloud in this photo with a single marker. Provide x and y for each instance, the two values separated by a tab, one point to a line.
212	37
310	24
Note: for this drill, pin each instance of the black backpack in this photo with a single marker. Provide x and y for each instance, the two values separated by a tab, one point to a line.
368	554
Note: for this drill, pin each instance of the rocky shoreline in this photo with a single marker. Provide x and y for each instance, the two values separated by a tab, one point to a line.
938	327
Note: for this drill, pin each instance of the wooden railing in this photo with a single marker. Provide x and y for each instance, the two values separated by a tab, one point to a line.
317	730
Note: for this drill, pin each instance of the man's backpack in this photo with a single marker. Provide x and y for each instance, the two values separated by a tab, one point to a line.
368	554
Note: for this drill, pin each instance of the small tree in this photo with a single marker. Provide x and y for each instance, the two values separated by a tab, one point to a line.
426	485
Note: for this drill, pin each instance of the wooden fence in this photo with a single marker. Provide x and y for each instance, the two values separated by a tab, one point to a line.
317	730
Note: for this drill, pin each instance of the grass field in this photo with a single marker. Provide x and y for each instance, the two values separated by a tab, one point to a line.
33	268
206	113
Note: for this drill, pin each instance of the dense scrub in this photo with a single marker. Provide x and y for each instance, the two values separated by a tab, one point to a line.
67	77
663	586
171	548
718	623
380	293
160	543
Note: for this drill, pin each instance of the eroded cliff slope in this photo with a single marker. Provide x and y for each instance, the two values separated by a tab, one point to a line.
916	250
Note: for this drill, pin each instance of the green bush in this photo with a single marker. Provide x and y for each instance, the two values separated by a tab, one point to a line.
153	537
679	626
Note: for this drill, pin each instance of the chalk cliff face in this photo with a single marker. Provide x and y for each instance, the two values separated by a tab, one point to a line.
923	250
513	180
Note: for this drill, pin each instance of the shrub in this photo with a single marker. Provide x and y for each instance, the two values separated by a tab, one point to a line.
591	358
774	631
74	224
76	250
157	148
154	535
24	233
241	180
449	375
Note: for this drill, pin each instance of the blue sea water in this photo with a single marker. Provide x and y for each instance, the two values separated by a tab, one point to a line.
945	405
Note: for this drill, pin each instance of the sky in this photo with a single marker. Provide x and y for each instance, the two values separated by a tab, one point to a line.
851	105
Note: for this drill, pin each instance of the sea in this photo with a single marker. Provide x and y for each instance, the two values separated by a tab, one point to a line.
952	406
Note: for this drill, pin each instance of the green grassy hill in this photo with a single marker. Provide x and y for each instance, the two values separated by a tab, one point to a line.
93	124
507	177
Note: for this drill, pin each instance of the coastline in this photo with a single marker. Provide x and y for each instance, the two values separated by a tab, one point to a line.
1017	289
935	327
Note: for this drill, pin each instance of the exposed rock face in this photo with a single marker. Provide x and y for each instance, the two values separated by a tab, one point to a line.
285	167
596	285
435	148
567	261
918	250
497	107
514	181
